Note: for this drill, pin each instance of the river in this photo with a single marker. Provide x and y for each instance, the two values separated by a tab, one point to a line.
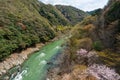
35	67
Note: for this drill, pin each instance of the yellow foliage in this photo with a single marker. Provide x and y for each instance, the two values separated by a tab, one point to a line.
85	43
80	67
88	27
79	73
110	58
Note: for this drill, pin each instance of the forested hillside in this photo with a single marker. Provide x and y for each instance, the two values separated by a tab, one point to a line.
54	16
25	23
103	25
73	14
98	34
22	24
95	12
107	25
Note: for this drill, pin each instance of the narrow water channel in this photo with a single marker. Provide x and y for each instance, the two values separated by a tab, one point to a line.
35	67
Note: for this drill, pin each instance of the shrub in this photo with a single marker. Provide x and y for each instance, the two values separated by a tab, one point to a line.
97	45
88	20
85	43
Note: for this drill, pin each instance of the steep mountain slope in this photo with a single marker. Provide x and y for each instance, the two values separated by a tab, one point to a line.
21	25
108	25
25	23
103	29
73	14
101	33
53	15
105	26
95	12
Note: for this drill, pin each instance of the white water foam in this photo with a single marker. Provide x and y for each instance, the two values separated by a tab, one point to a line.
47	79
57	47
43	62
41	55
19	75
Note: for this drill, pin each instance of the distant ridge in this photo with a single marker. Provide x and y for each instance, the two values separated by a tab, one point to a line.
73	14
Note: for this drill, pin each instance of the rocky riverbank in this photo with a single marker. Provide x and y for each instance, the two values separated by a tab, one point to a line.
17	58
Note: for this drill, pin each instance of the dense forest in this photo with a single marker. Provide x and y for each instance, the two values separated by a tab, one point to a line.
74	15
25	23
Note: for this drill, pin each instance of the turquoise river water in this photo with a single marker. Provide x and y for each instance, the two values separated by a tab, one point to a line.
35	67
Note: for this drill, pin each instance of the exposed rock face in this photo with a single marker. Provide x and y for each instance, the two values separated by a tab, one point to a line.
17	59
